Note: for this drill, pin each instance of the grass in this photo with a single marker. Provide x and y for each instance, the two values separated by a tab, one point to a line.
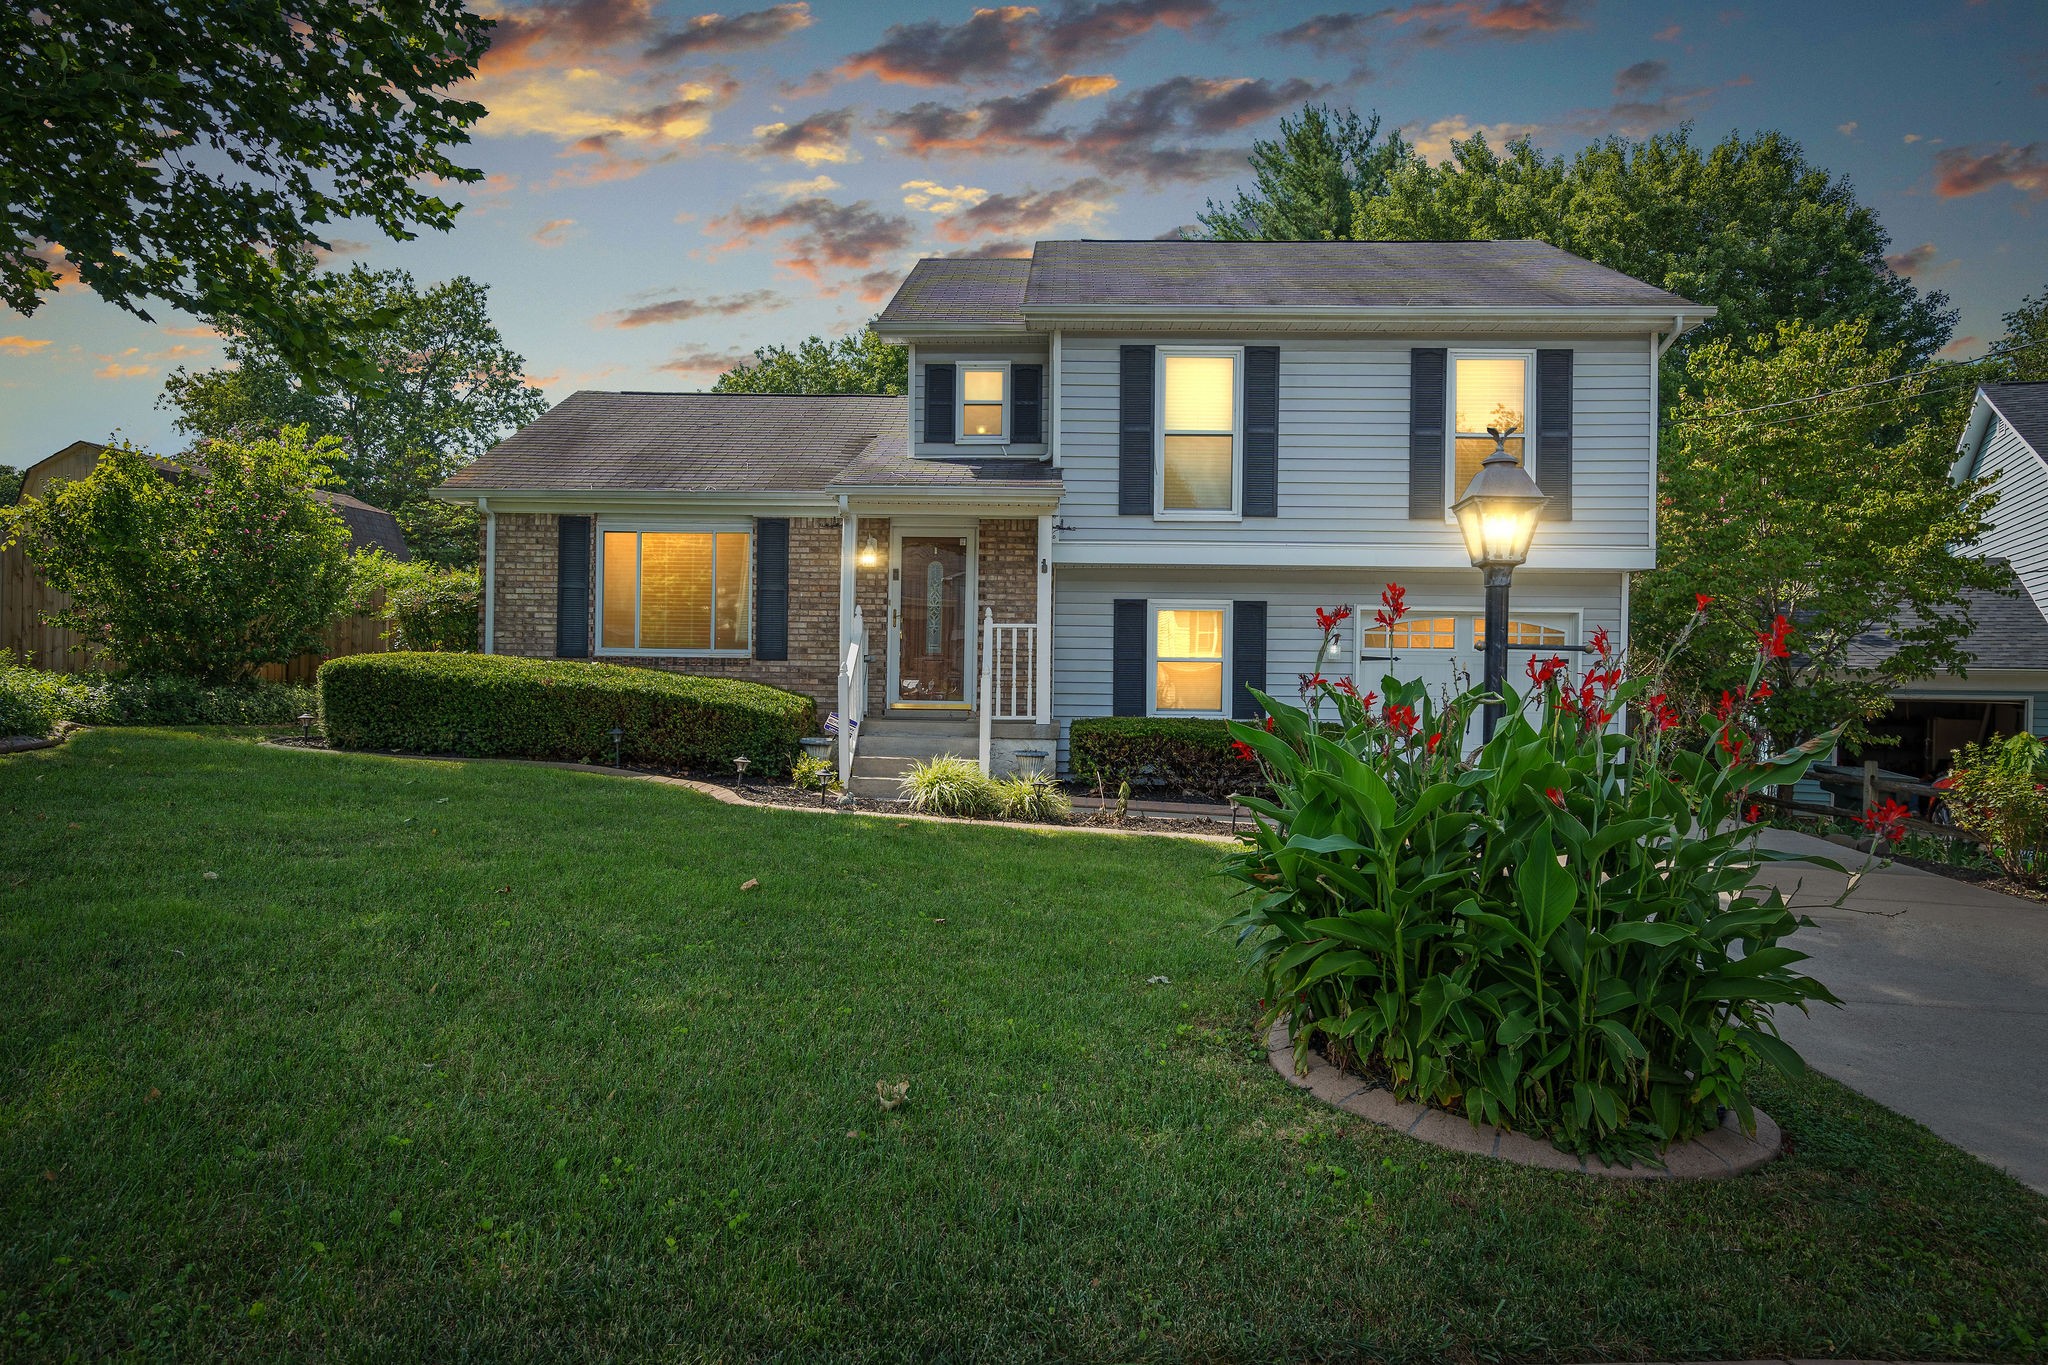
501	1063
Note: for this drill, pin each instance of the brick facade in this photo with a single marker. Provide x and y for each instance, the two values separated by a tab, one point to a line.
1007	570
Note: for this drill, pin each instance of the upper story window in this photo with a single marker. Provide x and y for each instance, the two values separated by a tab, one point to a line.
984	403
1201	430
1187	659
675	592
1488	389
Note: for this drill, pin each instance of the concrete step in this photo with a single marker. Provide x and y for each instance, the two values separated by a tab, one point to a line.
911	723
876	789
902	749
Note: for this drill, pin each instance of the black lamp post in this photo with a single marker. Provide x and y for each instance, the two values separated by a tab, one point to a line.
1497	516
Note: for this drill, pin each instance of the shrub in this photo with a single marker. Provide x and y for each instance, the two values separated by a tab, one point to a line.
1999	792
490	705
27	694
32	702
812	773
1038	797
429	608
1175	754
950	785
1536	936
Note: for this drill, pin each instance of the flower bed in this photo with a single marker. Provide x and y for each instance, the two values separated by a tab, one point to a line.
1555	935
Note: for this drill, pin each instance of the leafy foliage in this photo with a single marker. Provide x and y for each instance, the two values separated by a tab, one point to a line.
205	569
859	362
1837	513
812	772
1310	180
10	484
951	785
2025	340
35	699
440	388
1161	753
1037	797
447	534
429	608
1536	936
1999	791
192	153
32	702
497	706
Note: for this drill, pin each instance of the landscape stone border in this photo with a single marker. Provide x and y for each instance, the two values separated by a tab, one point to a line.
1719	1155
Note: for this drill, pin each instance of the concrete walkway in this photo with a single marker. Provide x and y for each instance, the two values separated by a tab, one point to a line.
1945	1001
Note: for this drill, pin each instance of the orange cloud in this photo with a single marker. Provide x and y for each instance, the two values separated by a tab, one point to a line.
18	346
1962	171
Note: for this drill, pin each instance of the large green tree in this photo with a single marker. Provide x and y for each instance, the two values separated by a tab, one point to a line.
208	570
2024	347
860	362
441	388
1310	181
190	153
1836	513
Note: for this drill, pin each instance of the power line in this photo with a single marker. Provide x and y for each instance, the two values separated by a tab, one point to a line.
1868	384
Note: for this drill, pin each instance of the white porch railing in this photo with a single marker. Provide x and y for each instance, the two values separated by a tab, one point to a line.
1009	675
853	697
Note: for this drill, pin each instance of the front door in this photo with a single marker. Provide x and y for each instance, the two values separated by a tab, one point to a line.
934	619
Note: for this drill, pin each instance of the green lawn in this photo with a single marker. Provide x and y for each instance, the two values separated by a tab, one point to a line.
500	1063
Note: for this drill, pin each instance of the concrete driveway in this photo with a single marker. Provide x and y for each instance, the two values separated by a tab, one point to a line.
1945	1001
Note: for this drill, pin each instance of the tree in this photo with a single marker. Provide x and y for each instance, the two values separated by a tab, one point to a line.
1309	180
203	569
1748	226
10	483
442	387
857	363
2025	343
193	153
1836	514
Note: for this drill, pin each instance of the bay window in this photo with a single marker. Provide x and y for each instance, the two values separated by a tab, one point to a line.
1488	389
1201	427
675	592
984	403
1187	659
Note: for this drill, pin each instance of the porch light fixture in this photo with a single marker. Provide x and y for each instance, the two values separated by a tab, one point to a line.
739	766
870	556
1497	516
306	726
618	733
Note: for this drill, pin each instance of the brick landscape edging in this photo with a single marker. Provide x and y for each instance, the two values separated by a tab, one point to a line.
1719	1155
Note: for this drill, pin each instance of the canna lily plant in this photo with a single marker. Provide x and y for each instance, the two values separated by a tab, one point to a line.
1557	933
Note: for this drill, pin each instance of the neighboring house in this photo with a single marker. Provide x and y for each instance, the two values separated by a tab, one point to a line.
2006	690
25	598
1125	476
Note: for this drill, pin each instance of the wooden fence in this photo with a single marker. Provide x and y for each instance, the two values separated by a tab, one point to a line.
25	599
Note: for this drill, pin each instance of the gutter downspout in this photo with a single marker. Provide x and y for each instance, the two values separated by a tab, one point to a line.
1677	331
490	574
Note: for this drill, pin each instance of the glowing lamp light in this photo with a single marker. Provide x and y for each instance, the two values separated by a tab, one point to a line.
1498	514
870	556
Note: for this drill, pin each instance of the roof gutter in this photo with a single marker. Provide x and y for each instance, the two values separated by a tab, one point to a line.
1972	440
1636	313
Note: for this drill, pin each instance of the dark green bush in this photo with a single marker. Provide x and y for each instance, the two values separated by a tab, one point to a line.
494	706
1174	754
33	700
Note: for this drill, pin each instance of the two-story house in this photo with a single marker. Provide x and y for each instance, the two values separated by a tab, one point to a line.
1125	475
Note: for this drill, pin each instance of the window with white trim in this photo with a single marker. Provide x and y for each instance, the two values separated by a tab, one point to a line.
1488	389
1201	430
675	592
1416	632
1188	664
1528	633
984	403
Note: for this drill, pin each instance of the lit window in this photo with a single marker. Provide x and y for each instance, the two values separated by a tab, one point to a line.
675	591
1187	670
1533	633
1417	632
1198	442
1486	391
982	402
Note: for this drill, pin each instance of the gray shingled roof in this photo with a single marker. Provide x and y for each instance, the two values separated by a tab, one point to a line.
2010	633
369	528
686	443
1153	274
2025	409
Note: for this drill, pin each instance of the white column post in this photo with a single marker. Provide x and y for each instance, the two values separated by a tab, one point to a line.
490	576
986	702
849	549
1041	654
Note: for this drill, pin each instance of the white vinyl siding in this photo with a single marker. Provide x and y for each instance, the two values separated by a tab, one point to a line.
2020	520
1343	453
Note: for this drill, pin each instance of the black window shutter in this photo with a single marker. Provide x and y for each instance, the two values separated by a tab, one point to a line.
1426	399
1262	431
1247	657
572	588
938	404
1134	442
1554	432
1027	404
1127	658
771	588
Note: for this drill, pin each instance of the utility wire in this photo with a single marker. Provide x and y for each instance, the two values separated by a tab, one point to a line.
1868	384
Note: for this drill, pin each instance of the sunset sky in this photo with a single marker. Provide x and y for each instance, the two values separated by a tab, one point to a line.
668	188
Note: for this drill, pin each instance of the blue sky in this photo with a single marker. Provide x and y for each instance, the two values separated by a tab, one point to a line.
669	188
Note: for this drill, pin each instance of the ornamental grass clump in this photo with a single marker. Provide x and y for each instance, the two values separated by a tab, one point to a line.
1556	933
951	785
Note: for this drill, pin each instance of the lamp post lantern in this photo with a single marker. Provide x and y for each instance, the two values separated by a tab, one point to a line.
1497	516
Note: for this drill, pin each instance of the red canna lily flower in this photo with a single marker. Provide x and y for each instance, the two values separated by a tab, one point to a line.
1556	797
1269	725
1725	707
1887	822
1243	750
1329	619
1601	645
1772	646
1754	814
1347	687
1393	606
1402	718
1701	601
1541	672
1662	713
1429	745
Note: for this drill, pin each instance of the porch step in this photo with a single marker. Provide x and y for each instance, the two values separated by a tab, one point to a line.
890	745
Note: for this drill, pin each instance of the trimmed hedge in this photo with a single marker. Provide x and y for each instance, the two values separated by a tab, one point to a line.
488	705
1176	754
33	700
